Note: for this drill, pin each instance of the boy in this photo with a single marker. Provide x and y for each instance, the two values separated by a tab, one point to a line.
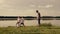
20	21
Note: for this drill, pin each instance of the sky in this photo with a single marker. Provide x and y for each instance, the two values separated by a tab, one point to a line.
29	7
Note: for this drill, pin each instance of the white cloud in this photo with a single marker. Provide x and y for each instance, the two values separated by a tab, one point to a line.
45	6
49	6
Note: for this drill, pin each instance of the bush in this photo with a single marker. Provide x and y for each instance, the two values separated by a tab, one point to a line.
46	24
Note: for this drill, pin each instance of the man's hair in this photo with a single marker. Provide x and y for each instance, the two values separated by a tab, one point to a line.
37	11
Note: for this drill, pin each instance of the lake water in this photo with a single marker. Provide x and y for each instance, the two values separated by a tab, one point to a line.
28	22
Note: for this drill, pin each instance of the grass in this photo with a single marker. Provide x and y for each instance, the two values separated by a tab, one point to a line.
20	30
43	29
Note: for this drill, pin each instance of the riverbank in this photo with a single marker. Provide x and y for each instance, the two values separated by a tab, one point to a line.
30	30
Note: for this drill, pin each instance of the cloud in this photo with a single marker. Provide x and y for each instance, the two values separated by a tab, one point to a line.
49	6
45	6
11	7
41	6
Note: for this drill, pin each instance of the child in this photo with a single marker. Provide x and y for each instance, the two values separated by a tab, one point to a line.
18	21
22	21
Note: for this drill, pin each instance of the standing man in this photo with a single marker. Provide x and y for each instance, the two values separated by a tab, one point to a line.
38	17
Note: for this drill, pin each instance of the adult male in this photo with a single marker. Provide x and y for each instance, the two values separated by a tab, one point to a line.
38	17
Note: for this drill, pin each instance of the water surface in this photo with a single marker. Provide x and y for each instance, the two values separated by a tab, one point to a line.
28	22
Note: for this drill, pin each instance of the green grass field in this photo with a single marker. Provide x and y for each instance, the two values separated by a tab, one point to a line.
30	30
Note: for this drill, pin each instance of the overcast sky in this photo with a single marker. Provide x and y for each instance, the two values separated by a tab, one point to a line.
28	7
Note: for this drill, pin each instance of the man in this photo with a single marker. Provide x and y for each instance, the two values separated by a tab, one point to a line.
38	17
